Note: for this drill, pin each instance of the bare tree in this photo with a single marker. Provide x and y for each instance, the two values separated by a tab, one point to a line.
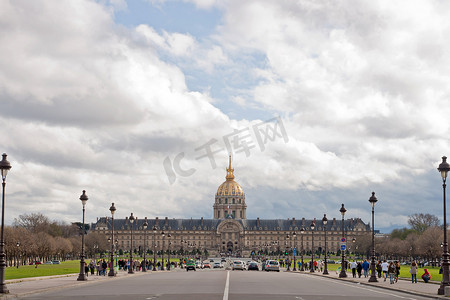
421	222
35	222
430	242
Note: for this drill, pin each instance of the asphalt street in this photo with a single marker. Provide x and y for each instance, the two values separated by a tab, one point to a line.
221	284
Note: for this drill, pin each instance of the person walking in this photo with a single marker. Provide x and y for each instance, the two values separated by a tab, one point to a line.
353	267
92	267
397	270
385	269
413	272
379	269
365	267
391	272
359	269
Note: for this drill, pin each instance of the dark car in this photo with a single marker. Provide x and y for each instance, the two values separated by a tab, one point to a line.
253	266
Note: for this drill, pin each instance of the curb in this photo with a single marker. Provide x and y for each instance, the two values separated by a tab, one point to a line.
381	287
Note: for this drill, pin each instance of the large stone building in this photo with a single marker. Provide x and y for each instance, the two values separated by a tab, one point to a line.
230	231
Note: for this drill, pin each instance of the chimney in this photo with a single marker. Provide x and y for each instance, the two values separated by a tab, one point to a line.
303	221
156	221
334	221
201	222
166	223
257	222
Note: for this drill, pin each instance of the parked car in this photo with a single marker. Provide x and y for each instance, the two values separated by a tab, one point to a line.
238	265
56	262
217	265
272	265
48	263
253	266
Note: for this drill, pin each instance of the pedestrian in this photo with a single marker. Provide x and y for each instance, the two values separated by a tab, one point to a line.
397	270
413	272
365	267
359	269
92	267
104	267
426	276
385	269
391	272
379	269
86	269
353	267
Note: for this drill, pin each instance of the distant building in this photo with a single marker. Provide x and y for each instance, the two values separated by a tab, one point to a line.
230	231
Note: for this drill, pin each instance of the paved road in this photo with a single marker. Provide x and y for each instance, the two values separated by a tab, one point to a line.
221	284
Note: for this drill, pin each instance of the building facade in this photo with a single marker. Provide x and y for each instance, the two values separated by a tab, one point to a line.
230	231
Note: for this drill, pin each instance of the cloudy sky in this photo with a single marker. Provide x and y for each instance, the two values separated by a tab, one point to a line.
140	103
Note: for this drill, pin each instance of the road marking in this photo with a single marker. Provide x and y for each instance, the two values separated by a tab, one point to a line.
227	287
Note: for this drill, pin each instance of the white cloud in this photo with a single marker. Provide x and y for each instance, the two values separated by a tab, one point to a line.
93	105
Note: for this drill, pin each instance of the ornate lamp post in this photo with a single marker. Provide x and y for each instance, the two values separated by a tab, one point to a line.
294	235
312	226
154	247
162	250
18	245
112	209
82	276
287	247
131	219
144	263
373	277
343	273
168	249
325	221
444	167
302	233
5	166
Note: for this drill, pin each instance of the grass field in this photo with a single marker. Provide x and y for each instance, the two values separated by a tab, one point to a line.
66	267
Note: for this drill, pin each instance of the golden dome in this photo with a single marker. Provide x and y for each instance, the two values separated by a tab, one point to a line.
230	187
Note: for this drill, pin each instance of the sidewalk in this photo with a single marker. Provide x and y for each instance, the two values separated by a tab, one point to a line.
420	288
26	286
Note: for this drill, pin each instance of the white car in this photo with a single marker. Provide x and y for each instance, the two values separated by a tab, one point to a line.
238	265
272	265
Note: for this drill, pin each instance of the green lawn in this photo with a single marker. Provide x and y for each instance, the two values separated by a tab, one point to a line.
66	267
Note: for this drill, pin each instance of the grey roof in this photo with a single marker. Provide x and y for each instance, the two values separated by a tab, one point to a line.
248	224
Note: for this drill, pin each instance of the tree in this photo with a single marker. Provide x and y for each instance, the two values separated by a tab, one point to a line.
421	222
402	233
429	242
35	222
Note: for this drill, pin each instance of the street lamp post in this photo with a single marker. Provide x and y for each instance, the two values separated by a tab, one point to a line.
444	167
343	273
373	277
162	250
168	250
5	166
144	262
112	209
154	247
288	259
325	221
131	219
294	235
312	226
82	276
302	233
18	245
